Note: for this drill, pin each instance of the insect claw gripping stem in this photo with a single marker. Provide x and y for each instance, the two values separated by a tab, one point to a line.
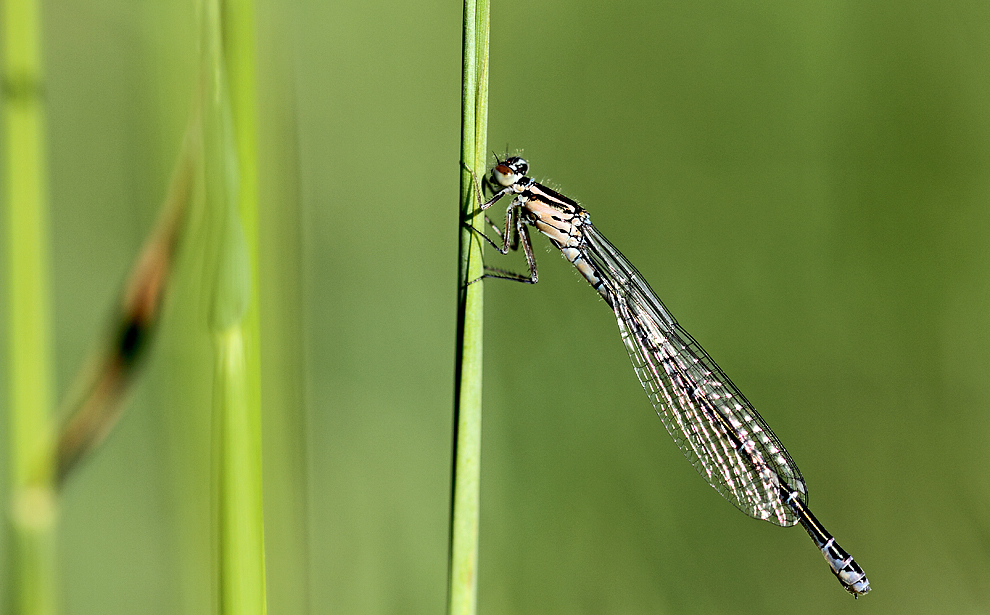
515	232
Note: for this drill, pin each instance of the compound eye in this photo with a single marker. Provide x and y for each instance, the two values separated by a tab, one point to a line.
504	175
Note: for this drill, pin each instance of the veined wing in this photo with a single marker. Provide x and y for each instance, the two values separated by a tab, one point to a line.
713	424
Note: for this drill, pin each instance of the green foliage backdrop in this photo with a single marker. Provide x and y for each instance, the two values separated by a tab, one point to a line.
806	184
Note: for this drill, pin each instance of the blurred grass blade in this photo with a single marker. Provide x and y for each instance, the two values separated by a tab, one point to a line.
231	192
463	565
279	274
31	563
237	411
241	518
98	395
237	426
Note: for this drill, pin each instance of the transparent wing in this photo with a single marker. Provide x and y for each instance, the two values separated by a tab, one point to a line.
713	424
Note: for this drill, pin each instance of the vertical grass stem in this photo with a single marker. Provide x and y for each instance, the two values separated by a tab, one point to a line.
231	192
465	505
29	367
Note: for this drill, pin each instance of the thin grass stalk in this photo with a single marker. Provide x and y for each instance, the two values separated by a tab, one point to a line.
237	422
29	376
237	410
239	46
280	274
465	505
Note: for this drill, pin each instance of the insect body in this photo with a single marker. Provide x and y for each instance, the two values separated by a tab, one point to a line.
713	424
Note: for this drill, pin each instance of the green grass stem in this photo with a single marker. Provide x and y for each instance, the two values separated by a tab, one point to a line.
231	192
280	274
29	378
463	571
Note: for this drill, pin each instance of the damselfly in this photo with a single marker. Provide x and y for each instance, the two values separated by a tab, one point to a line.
714	425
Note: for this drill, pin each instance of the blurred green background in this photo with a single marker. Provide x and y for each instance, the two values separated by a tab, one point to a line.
805	184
